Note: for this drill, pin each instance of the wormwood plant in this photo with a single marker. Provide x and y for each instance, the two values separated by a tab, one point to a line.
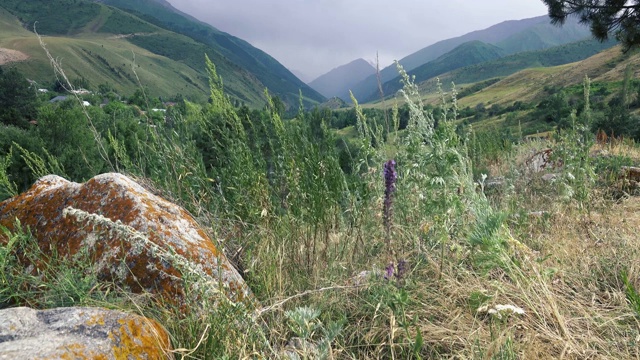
314	337
437	178
572	154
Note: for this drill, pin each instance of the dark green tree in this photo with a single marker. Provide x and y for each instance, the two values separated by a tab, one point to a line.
18	101
605	17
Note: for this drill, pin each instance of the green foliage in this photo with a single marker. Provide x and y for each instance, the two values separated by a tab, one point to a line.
315	337
66	134
18	100
71	18
632	294
617	119
7	187
12	140
604	17
573	153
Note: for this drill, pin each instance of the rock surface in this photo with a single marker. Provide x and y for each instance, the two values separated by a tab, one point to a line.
138	240
80	333
542	160
631	173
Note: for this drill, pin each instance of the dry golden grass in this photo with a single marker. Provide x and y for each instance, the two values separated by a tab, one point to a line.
563	269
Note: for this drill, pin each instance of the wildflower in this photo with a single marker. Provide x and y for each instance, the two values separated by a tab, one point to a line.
401	269
388	271
500	310
390	178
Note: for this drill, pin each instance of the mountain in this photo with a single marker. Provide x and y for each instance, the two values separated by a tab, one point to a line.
278	79
508	65
536	33
469	53
342	77
147	39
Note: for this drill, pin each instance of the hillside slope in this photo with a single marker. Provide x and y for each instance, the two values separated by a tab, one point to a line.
469	53
104	44
278	79
530	85
512	64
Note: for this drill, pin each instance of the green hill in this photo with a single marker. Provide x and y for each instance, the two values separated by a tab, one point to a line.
558	55
99	43
265	68
469	53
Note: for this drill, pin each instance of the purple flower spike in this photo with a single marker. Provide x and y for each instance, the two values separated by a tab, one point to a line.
388	271
401	269
390	178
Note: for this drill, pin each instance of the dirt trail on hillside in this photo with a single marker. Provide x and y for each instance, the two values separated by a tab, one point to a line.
9	56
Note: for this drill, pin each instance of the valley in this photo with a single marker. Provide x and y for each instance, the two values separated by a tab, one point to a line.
480	201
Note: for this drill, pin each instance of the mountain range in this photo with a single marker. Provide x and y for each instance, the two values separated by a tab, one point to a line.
99	41
129	44
507	38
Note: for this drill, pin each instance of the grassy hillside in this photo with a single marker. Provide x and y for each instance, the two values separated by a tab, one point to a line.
265	68
470	53
102	41
530	84
512	64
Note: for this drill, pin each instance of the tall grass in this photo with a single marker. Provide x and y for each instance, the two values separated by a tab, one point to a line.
401	257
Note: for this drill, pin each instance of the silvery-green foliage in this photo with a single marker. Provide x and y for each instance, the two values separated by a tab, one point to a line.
572	155
435	164
314	337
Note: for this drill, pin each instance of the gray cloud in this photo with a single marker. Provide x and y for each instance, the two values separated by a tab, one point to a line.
314	36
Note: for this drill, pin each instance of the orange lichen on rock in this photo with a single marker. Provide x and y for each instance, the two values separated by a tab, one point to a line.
80	333
142	257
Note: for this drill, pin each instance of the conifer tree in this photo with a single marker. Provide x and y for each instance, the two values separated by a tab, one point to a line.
620	18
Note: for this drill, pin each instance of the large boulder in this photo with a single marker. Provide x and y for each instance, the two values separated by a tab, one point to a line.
136	239
80	333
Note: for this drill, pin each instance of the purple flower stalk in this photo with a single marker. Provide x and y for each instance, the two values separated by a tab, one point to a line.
397	271
388	271
390	178
401	269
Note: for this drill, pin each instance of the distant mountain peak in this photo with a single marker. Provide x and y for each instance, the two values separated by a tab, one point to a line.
342	77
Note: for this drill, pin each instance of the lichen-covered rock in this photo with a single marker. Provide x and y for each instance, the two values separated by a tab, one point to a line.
138	240
80	333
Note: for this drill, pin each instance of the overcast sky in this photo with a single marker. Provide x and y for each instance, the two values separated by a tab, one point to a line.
315	36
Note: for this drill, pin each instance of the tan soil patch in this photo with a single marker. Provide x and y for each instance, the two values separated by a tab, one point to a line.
9	55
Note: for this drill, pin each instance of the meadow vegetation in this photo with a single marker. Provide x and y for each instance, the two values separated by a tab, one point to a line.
396	241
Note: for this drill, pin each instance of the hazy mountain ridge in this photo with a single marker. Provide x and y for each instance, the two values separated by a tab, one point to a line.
342	77
533	30
469	53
